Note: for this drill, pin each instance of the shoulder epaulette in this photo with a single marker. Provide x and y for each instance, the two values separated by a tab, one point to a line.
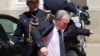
48	15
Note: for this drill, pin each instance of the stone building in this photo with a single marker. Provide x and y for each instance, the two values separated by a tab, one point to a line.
16	7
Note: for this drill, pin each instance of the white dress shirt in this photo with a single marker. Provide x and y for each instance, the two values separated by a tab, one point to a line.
52	43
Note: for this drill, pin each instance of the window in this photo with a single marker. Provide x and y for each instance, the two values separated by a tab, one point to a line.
21	0
20	3
9	24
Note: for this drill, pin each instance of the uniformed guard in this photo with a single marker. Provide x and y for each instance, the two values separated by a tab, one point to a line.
30	20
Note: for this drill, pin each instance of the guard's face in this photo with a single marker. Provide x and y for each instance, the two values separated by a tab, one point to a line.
33	5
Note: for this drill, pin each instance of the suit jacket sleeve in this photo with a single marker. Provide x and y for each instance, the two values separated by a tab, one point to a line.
36	34
74	31
83	31
39	32
37	37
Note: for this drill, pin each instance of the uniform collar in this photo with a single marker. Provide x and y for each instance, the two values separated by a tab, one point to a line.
34	12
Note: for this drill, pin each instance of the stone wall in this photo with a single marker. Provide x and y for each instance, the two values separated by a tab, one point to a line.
10	7
94	4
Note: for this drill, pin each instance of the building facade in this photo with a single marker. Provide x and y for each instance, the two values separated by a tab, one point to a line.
16	7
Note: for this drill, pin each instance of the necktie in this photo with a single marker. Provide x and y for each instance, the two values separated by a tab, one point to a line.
62	48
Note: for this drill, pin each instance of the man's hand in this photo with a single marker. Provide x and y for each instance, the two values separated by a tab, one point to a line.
91	32
43	51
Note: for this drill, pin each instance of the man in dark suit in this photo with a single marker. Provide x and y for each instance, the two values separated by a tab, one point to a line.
47	35
55	5
27	21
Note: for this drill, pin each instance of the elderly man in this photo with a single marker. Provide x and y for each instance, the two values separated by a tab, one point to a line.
52	35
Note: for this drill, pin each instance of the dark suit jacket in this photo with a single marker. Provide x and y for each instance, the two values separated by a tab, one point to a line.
55	5
70	33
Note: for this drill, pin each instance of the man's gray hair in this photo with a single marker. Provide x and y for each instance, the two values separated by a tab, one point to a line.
60	13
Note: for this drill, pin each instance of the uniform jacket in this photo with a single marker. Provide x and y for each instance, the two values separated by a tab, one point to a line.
23	24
